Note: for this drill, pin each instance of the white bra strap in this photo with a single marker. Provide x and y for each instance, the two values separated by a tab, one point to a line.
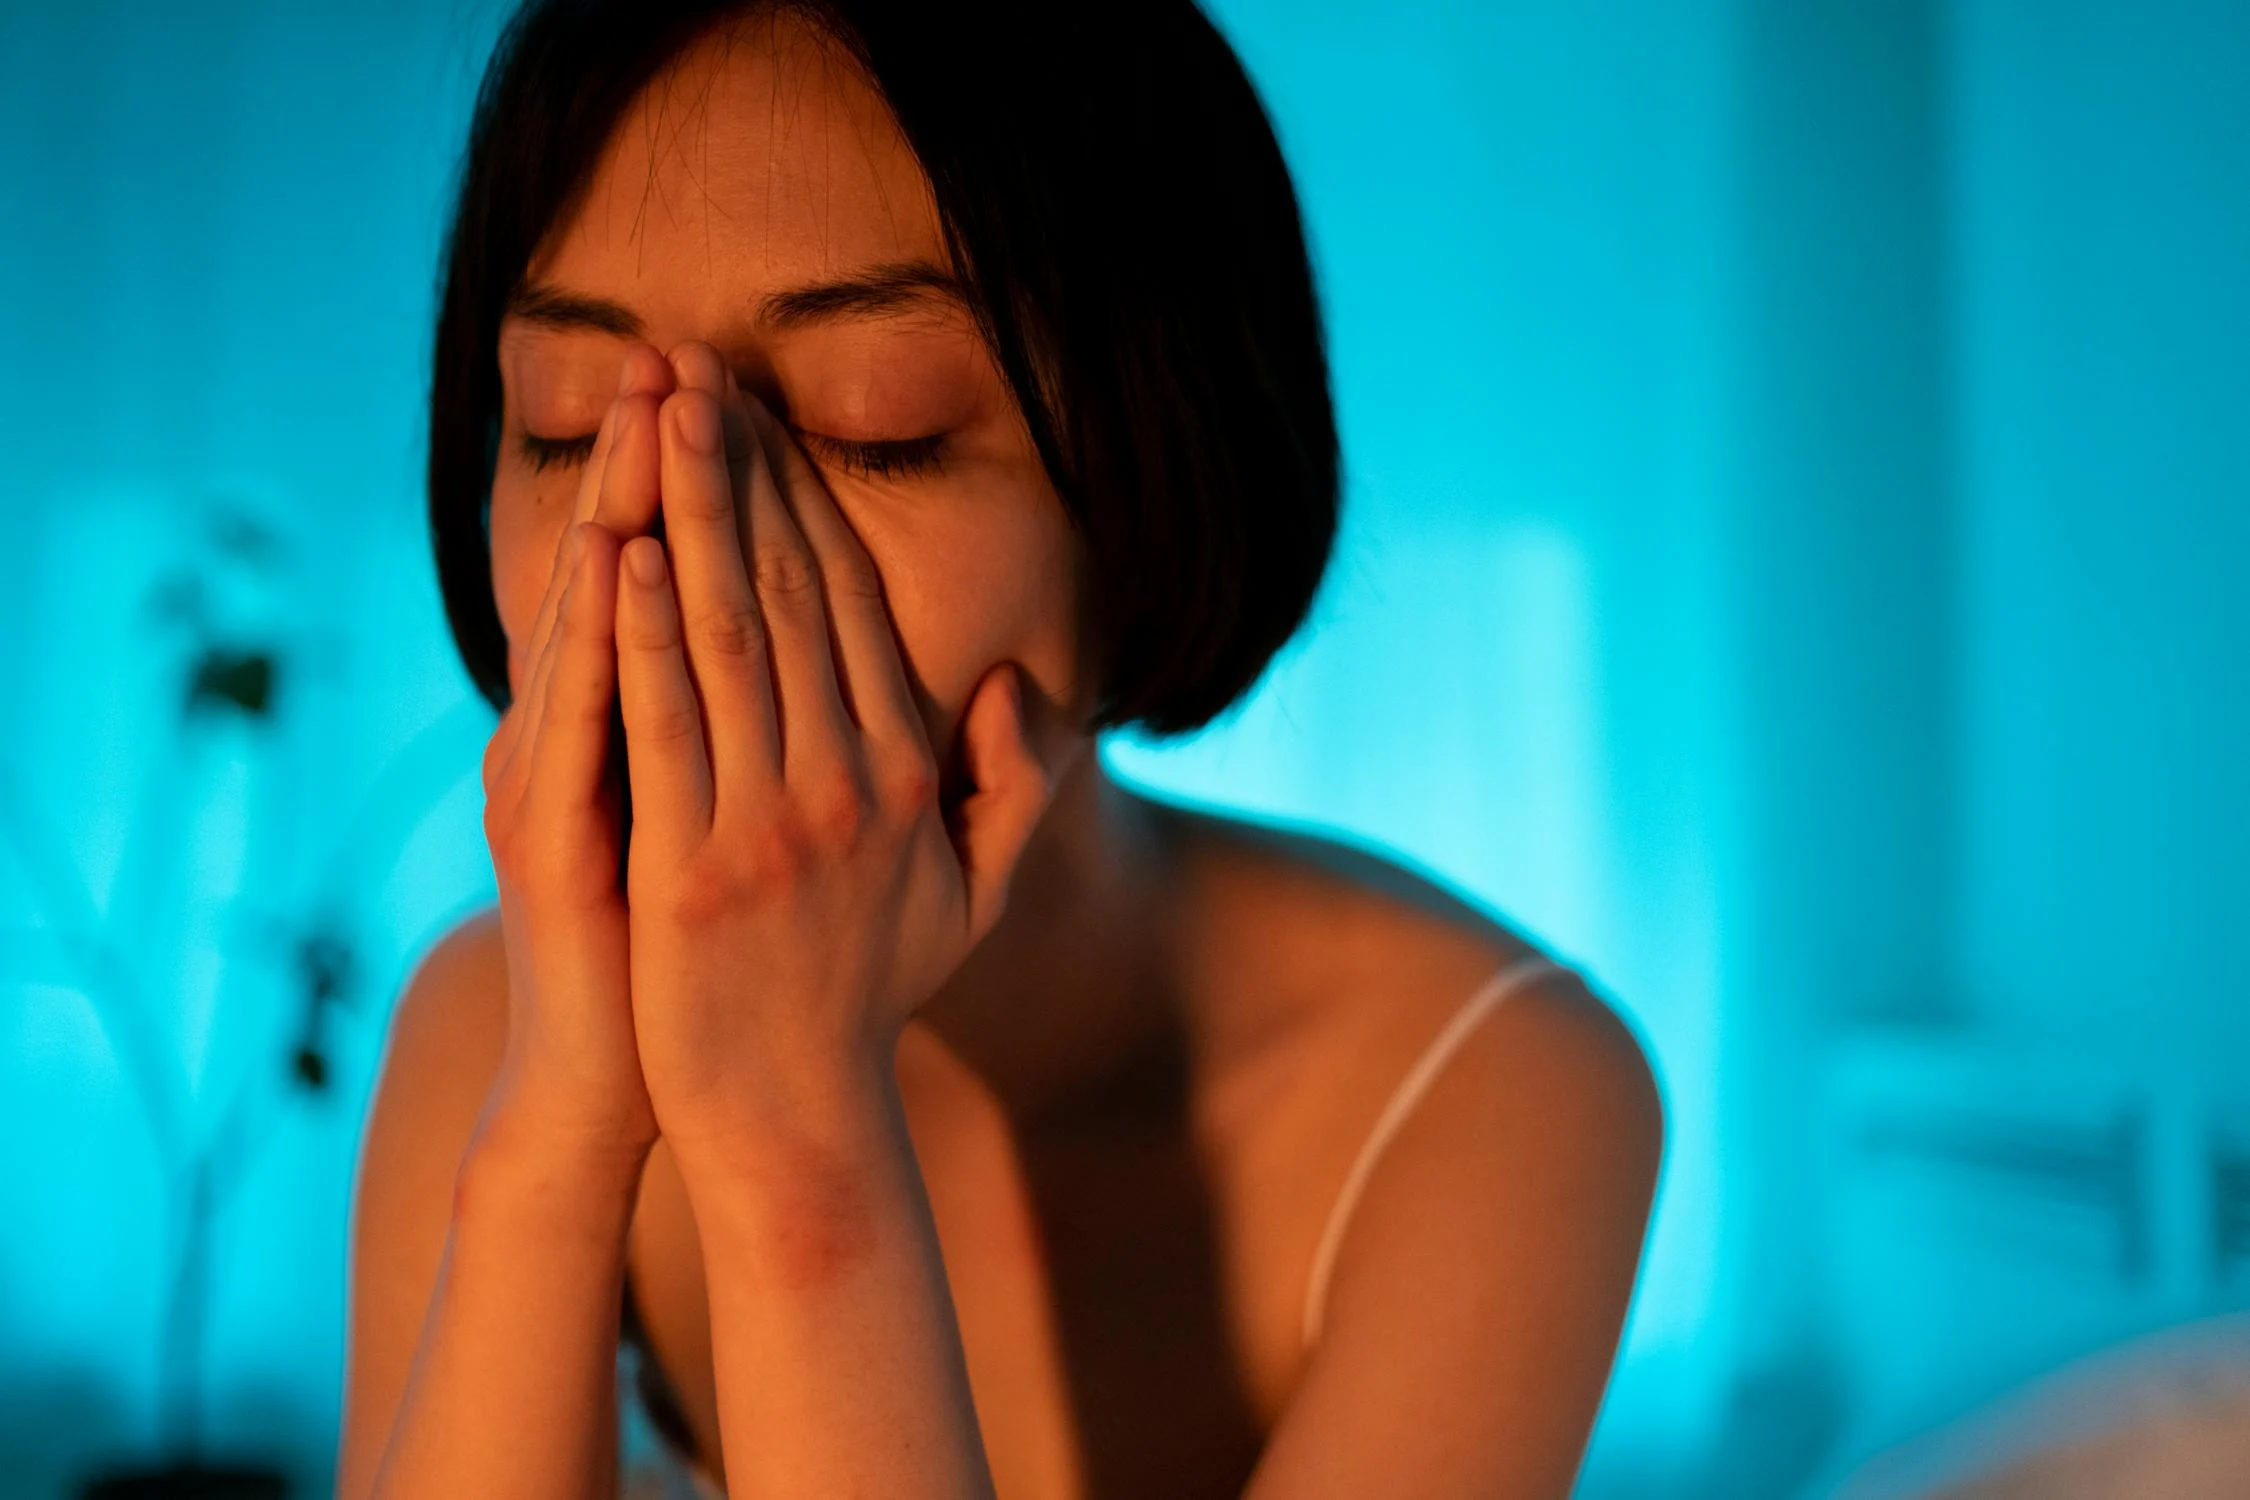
1402	1101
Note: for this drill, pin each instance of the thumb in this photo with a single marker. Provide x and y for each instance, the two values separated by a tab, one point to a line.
1012	789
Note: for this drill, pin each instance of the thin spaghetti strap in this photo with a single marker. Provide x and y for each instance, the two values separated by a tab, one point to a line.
1417	1081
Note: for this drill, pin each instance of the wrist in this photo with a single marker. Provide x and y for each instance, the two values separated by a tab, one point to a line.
803	1201
546	1109
793	1120
519	1149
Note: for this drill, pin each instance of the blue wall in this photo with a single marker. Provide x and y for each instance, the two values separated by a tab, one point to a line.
1799	454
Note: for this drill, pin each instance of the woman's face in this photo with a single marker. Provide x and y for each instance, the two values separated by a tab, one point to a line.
758	197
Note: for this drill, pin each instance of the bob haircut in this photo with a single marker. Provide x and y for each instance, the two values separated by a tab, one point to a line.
1113	199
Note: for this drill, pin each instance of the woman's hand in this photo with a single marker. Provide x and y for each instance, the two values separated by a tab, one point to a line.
569	1077
794	890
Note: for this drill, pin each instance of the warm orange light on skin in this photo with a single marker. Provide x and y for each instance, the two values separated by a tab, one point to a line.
747	174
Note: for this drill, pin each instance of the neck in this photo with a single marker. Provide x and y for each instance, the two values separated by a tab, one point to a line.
1067	983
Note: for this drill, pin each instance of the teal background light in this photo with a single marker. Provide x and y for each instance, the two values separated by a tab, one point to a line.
1797	460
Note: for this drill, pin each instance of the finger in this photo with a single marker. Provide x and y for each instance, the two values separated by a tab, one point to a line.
728	651
625	492
521	723
667	761
573	739
817	729
524	654
875	688
584	501
635	376
644	369
1012	790
697	366
644	372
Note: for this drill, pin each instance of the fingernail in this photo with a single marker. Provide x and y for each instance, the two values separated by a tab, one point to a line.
576	546
646	561
625	375
699	425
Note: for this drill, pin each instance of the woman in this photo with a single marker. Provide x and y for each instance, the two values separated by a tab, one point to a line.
841	413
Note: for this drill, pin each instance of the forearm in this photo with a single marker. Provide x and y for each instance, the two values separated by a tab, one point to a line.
836	1350
513	1387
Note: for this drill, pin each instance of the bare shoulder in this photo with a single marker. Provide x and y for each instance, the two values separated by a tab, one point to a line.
1480	1279
444	1043
1349	947
445	1039
451	1021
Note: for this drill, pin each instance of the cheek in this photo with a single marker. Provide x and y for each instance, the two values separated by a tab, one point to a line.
981	587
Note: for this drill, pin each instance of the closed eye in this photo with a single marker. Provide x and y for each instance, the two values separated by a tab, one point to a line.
894	458
890	458
540	452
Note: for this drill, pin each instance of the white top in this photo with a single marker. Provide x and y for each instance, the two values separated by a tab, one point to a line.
1481	1003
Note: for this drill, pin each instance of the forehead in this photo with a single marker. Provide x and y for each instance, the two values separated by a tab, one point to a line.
760	158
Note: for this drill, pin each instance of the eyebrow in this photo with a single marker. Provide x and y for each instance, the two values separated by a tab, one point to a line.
874	292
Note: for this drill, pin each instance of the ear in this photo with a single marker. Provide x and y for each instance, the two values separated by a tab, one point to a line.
1045	733
1009	785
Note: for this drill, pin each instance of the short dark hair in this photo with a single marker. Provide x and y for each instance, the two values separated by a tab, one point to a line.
1114	200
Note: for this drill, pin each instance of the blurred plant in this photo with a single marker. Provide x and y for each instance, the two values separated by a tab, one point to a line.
228	674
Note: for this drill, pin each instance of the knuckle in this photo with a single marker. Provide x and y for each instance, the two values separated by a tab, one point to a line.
700	892
581	627
779	849
647	636
709	505
496	755
549	877
575	883
672	724
852	574
835	808
785	571
499	838
653	630
728	630
578	708
910	784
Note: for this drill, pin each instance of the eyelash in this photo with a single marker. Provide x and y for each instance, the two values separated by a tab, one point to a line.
897	458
